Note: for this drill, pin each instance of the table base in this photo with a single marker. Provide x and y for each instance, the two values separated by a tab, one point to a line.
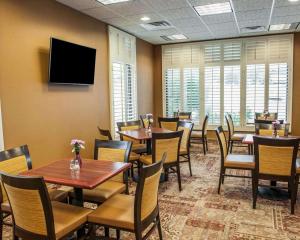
274	194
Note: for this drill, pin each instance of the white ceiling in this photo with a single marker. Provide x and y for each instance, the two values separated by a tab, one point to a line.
181	14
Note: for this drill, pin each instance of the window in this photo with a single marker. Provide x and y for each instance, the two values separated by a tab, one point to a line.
240	77
122	77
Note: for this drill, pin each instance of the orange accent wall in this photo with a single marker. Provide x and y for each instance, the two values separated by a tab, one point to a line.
47	117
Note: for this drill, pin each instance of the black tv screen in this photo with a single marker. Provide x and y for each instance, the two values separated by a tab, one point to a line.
71	63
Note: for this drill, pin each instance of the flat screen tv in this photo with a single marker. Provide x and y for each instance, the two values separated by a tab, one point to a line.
71	63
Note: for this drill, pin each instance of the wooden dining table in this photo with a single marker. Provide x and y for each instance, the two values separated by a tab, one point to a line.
143	134
91	174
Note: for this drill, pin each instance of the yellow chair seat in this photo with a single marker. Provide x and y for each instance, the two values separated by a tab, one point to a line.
298	165
196	134
67	218
138	146
238	136
103	192
134	156
240	161
117	211
146	159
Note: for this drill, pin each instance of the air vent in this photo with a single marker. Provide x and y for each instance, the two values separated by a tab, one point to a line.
154	26
166	38
253	29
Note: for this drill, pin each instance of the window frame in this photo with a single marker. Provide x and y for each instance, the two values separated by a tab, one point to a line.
242	62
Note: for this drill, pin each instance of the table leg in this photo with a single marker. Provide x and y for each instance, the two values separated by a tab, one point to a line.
149	148
78	201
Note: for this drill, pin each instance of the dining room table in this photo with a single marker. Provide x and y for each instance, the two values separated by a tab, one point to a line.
268	193
143	135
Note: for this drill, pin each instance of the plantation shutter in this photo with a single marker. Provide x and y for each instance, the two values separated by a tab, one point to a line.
172	88
122	77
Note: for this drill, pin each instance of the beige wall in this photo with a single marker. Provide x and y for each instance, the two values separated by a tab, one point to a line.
47	117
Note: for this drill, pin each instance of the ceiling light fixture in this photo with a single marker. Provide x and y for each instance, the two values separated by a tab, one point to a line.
107	2
278	27
293	0
177	37
145	18
216	8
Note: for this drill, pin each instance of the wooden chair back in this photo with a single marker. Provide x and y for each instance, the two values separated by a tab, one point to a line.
275	156
187	128
104	134
14	161
168	143
230	126
117	151
264	129
145	119
204	126
146	195
183	115
130	125
222	143
168	123
31	207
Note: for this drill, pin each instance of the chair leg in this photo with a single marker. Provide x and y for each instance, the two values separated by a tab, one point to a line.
220	181
206	143
159	227
179	176
204	146
293	194
190	165
230	145
118	234
106	232
166	174
296	187
254	190
223	176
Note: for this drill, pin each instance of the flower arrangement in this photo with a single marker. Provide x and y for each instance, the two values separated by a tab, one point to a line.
275	127
266	114
76	146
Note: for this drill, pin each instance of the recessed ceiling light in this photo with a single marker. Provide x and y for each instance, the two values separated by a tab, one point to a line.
145	18
215	8
106	2
293	0
278	27
177	37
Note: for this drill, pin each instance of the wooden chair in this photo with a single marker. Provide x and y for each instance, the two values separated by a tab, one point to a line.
117	151
134	213
264	129
233	137
184	151
200	135
137	146
15	161
104	134
168	123
34	215
275	160
145	119
183	115
231	161
166	143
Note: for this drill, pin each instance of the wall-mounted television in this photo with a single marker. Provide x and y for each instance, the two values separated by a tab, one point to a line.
71	63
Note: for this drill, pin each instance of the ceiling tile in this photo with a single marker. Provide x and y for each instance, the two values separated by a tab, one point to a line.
253	15
166	4
286	19
100	13
282	3
252	23
205	2
81	4
247	5
186	22
286	11
137	18
218	18
130	8
179	13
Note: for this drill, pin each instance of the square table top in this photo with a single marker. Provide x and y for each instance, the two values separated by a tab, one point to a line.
142	133
91	174
249	138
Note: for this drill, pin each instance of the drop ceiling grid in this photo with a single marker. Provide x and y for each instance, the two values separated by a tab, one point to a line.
185	20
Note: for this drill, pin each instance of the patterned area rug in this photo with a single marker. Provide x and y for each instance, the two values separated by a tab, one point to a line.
198	212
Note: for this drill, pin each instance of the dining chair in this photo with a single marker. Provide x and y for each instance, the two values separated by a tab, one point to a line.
234	139
166	143
137	146
184	151
232	161
15	161
145	119
34	215
168	123
183	115
134	213
264	129
275	159
200	135
117	151
104	134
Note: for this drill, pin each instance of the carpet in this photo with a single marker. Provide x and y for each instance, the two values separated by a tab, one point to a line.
198	212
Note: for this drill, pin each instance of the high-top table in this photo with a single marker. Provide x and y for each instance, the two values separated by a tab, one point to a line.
143	134
91	174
